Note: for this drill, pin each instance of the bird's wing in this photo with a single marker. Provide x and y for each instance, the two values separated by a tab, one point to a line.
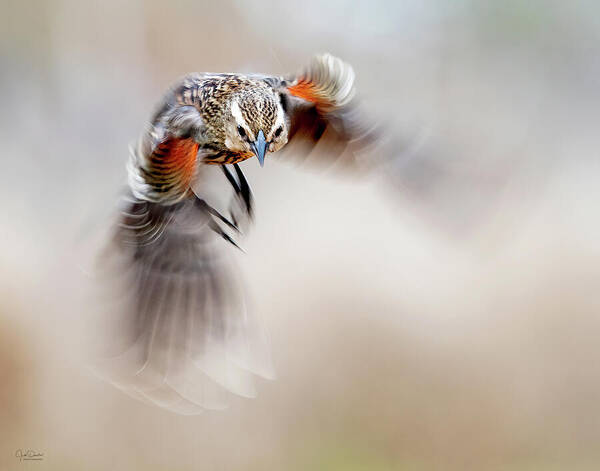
327	123
163	164
179	334
330	127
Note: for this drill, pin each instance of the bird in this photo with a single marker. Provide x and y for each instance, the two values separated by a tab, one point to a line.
183	336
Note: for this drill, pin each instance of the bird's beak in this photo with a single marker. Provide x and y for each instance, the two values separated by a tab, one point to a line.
259	147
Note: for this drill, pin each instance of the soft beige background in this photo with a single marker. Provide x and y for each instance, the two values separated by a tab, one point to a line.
447	321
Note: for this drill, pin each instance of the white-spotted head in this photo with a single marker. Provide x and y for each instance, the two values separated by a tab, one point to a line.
257	123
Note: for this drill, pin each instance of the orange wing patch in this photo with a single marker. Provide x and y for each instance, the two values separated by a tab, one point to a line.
327	81
182	157
309	91
173	163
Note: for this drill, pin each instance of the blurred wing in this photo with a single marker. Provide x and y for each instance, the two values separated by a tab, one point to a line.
327	125
163	166
329	128
180	334
164	163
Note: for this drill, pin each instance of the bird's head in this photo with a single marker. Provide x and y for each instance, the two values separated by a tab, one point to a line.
256	123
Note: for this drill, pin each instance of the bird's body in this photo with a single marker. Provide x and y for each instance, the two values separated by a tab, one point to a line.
187	336
212	95
193	117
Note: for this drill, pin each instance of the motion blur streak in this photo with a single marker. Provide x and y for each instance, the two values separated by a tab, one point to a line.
448	321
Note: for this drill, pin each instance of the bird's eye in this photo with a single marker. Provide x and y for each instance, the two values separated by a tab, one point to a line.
278	131
242	131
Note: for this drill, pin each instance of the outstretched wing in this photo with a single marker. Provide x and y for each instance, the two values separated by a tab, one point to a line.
164	163
178	333
327	123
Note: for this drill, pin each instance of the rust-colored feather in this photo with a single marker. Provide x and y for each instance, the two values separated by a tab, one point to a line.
175	160
327	81
308	91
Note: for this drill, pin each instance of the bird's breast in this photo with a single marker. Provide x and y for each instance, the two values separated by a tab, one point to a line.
227	157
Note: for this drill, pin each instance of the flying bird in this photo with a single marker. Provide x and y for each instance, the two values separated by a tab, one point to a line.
185	337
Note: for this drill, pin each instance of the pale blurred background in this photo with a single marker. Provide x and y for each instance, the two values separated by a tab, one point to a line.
447	321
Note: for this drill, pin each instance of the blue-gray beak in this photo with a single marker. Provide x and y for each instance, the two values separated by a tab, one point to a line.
259	147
